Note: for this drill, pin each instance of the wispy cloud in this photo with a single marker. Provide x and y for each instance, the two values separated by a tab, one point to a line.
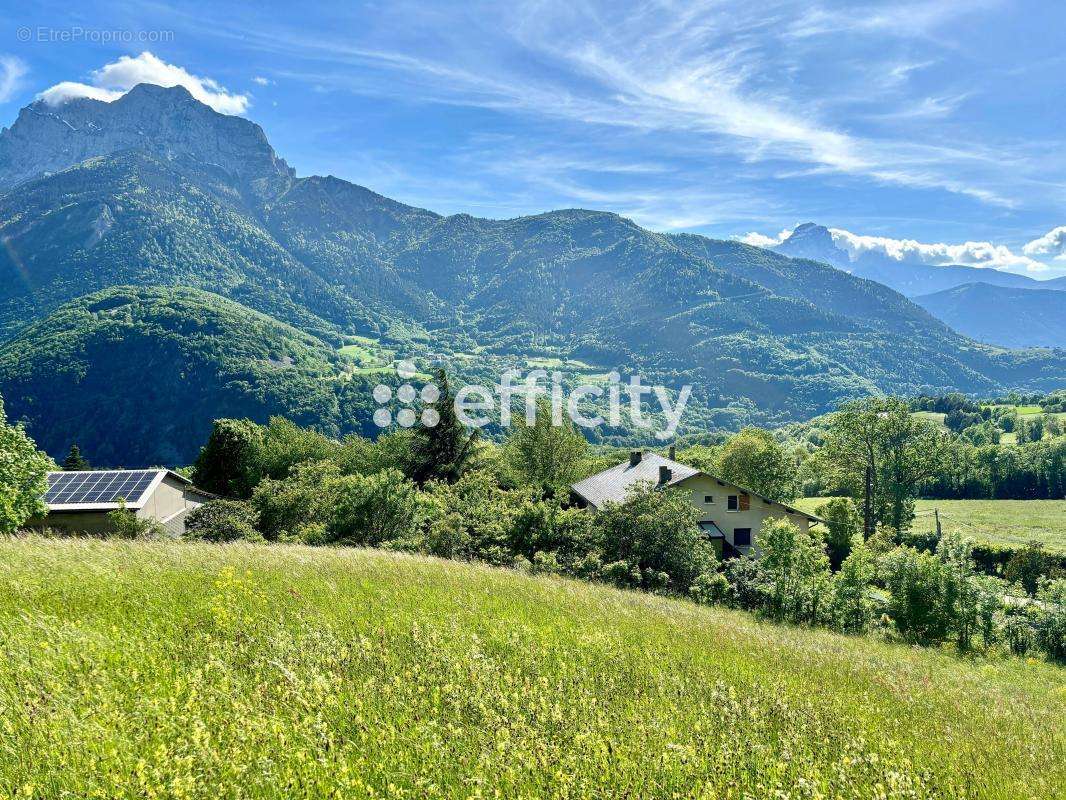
113	80
706	72
12	71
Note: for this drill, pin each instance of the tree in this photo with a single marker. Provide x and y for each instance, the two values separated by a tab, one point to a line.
23	476
230	464
794	572
755	460
223	521
917	603
1028	565
881	454
543	455
853	609
372	510
843	523
286	444
652	540
75	462
442	451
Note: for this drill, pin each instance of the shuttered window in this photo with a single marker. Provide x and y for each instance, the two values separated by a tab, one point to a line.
745	502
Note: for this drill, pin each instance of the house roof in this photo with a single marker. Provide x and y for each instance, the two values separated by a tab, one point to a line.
612	485
103	489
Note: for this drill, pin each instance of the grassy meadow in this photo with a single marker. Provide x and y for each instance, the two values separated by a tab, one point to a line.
1010	522
178	670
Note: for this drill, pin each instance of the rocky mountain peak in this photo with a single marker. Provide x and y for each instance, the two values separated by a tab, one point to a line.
167	122
814	241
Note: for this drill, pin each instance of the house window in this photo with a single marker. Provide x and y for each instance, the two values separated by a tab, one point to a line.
741	537
709	499
733	504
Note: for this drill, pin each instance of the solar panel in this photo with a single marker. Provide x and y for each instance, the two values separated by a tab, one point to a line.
103	486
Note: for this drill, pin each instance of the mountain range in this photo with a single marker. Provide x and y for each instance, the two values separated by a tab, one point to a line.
163	266
1000	314
911	278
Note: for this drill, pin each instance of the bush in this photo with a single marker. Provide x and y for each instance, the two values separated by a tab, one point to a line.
371	510
654	533
794	572
852	608
291	505
917	604
710	588
745	579
230	464
125	524
1027	565
1050	618
843	523
223	521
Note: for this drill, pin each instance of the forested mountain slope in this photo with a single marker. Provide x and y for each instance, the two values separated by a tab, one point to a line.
759	335
1001	315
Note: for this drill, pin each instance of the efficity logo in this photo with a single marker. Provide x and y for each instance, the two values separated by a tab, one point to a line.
406	416
588	405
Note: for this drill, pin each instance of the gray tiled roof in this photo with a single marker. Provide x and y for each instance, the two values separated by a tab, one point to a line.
611	485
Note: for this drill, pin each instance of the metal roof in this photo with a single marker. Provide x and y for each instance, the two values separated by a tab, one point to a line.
103	489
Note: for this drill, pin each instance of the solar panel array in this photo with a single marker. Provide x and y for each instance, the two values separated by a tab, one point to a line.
65	488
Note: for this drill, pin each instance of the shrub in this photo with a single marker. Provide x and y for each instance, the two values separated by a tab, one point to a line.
917	604
1027	565
745	580
843	524
371	510
709	588
230	464
125	524
223	521
23	476
1050	617
853	609
794	572
655	533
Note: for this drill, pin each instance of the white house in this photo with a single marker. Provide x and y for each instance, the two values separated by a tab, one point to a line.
730	515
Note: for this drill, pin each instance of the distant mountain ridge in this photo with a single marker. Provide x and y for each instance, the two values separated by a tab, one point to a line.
910	278
156	190
1002	315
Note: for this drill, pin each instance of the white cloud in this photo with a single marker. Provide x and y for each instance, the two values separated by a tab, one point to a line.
910	251
12	71
762	240
259	79
971	254
115	79
1052	243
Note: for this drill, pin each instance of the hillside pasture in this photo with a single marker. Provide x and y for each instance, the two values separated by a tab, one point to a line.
1009	522
199	671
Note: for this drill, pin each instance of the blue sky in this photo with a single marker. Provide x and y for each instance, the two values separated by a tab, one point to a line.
930	129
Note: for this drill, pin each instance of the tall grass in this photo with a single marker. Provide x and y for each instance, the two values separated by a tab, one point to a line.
175	670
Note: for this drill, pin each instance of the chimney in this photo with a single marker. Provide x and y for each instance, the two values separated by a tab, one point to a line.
634	457
664	474
673	452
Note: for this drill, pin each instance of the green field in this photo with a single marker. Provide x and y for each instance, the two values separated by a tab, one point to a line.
175	670
1012	522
